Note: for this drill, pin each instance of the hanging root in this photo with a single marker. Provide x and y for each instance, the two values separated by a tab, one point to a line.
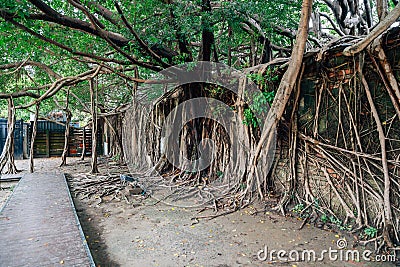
7	156
338	143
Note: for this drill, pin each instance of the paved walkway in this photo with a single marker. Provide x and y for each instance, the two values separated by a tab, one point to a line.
39	227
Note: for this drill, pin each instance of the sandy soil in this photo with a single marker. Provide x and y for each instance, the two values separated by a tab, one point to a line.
146	233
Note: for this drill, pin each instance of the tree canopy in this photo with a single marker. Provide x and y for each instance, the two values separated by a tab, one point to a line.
43	42
91	57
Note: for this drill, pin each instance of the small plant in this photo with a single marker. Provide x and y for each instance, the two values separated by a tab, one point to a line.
116	157
335	220
338	223
258	106
269	96
249	118
346	227
370	232
12	188
264	80
215	91
298	208
324	218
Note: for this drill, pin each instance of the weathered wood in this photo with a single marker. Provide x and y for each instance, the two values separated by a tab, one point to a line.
47	144
57	141
33	138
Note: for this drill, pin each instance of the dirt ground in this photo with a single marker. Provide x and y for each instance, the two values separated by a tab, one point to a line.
144	232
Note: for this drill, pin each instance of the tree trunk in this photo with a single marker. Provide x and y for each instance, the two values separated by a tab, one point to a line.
33	137
83	143
66	138
382	9
383	25
368	13
386	72
267	51
387	207
94	168
207	33
7	156
284	90
114	136
67	129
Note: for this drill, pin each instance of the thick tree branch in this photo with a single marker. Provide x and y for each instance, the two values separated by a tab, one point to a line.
285	88
78	53
40	65
379	29
292	34
51	15
142	44
95	22
18	95
207	34
338	30
105	13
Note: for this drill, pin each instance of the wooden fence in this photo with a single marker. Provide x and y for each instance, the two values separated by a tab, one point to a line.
50	138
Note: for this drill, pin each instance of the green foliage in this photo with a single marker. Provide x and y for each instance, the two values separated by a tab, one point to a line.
264	81
335	220
257	108
339	223
249	118
269	96
156	23
298	208
370	232
324	218
116	157
215	91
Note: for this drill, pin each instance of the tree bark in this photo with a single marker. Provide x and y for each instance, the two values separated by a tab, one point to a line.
67	130
386	73
286	85
368	13
33	137
207	33
387	207
83	143
7	156
382	9
379	29
66	138
94	168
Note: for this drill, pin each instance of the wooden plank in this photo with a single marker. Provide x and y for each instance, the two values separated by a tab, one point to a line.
50	141
39	226
47	144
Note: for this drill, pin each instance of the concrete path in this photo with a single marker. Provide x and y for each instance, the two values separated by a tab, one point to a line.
39	226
